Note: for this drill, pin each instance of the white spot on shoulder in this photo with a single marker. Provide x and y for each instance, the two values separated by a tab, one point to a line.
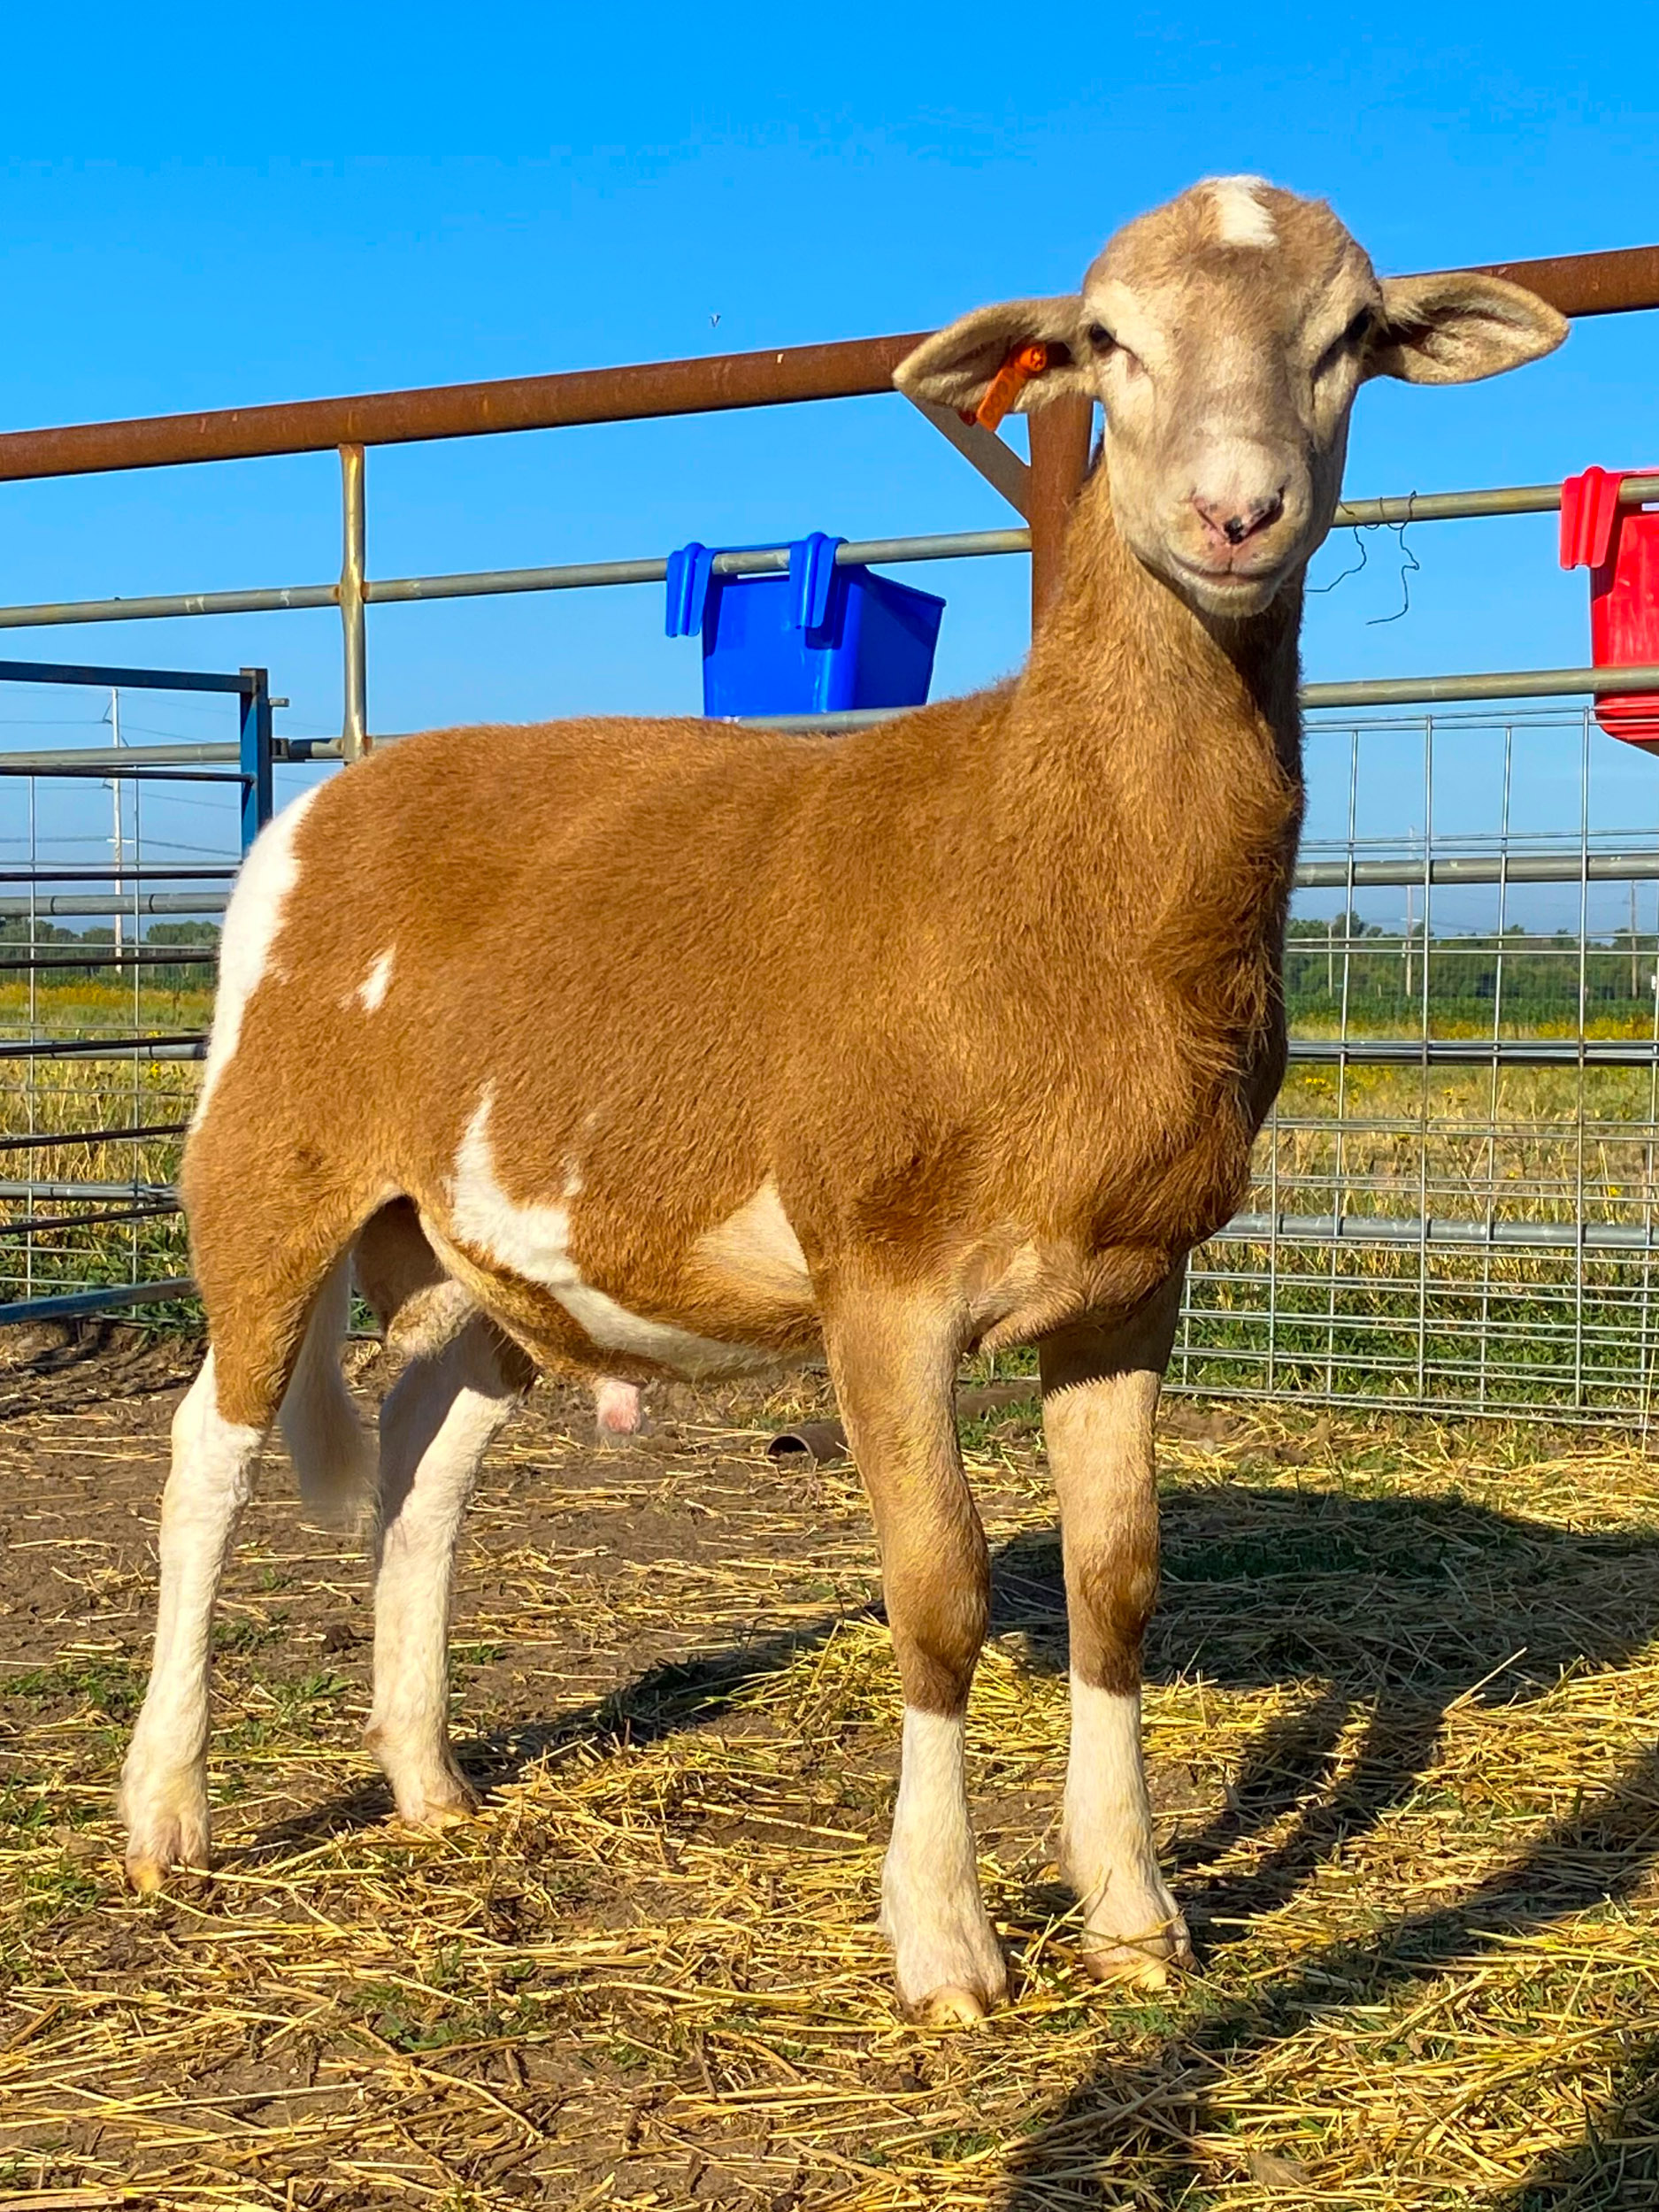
1240	218
251	923
758	1248
372	990
533	1240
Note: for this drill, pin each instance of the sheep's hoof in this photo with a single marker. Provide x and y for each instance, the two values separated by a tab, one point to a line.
145	1874
164	1814
1154	1964
431	1816
951	2008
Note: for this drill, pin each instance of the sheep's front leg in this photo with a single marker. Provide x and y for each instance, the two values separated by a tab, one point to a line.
1100	1395
894	1356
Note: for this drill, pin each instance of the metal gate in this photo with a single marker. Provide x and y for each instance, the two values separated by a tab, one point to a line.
1453	1202
118	857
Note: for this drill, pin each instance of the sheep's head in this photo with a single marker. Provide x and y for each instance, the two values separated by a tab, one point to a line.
1225	335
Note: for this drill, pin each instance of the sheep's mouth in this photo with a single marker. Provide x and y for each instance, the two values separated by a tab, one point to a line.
1229	590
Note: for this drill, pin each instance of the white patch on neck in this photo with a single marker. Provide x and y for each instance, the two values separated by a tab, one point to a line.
251	924
1240	218
533	1242
372	990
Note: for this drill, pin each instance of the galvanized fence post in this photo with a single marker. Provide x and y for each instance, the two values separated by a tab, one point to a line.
354	738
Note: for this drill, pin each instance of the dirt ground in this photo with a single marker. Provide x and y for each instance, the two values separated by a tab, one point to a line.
1402	1720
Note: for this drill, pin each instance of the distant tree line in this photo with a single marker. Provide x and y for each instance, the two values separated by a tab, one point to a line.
1532	977
1380	971
57	955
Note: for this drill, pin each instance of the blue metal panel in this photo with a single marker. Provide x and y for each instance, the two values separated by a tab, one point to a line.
257	796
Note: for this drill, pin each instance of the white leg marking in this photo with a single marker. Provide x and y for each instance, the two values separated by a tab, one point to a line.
251	923
164	1782
1133	1923
947	1957
533	1240
371	991
1240	218
435	1429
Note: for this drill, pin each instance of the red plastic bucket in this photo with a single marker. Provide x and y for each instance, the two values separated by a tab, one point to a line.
1620	548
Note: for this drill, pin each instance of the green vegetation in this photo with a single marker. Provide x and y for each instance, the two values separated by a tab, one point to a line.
1529	980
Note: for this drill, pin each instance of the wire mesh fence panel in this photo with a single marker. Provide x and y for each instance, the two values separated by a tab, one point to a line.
112	885
1452	1203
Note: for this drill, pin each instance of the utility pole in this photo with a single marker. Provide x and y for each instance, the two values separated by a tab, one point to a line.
1405	947
1635	983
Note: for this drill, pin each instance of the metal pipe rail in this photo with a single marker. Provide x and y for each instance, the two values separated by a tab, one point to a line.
50	1140
1379	691
1349	1228
1612	283
1576	285
59	904
190	1045
1391	1229
75	1305
1480	1052
1393	509
1311	875
1521	1052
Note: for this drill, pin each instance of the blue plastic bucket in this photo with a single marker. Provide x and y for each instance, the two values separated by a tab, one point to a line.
819	640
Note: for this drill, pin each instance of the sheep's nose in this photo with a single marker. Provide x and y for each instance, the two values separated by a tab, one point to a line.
1231	522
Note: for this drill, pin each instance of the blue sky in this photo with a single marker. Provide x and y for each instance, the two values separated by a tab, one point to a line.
619	178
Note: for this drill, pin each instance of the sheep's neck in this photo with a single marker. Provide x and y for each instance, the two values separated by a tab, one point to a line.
1164	751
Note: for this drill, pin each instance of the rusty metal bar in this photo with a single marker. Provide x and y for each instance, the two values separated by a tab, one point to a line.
982	450
1060	436
354	737
1577	284
647	389
1617	283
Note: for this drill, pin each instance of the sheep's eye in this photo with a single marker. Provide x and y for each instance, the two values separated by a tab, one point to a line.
1358	330
1100	338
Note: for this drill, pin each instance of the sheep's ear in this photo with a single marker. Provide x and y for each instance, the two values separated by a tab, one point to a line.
954	368
1456	326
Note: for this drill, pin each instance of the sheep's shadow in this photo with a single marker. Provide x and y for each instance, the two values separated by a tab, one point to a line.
1388	1611
1387	1608
1377	1614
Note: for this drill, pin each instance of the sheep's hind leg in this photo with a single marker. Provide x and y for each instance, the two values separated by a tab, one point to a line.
278	1287
163	1801
435	1426
1100	1394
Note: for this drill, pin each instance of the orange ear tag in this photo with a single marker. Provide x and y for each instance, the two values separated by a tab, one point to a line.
1006	386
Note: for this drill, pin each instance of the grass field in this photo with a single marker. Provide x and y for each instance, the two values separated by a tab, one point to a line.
1402	1718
